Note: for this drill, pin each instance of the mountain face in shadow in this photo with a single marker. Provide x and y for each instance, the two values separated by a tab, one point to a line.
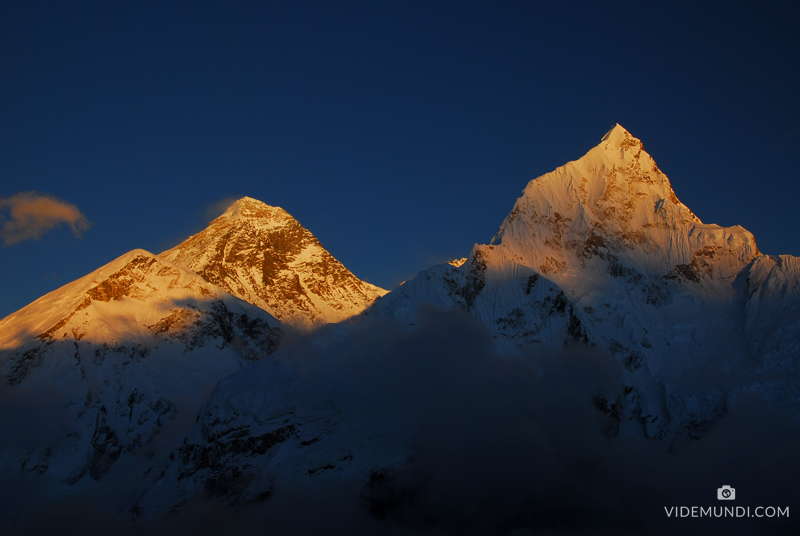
104	365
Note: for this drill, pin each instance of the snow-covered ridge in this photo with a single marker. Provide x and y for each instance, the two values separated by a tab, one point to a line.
42	314
264	256
115	357
112	303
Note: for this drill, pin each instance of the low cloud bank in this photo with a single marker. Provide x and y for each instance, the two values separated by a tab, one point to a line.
498	446
32	214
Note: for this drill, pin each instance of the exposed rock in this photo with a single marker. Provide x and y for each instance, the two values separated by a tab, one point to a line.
265	257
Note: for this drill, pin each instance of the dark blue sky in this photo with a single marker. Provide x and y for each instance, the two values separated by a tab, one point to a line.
398	133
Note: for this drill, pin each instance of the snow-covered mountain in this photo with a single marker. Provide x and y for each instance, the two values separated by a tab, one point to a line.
603	307
101	366
599	254
119	361
606	230
264	256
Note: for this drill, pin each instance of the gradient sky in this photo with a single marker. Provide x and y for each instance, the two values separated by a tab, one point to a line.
399	133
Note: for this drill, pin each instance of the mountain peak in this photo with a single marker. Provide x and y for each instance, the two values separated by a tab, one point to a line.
622	148
617	133
253	209
615	202
264	256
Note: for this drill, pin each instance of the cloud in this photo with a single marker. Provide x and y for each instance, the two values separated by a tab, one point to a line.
32	214
502	446
217	208
497	446
513	445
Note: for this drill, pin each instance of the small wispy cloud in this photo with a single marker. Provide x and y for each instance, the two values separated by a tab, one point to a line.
28	215
217	208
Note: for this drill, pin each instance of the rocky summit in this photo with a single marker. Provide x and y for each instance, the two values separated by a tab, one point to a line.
264	256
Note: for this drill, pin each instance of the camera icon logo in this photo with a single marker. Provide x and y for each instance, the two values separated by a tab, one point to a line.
726	493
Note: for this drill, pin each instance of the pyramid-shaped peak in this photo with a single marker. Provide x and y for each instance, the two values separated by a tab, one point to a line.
616	130
266	257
